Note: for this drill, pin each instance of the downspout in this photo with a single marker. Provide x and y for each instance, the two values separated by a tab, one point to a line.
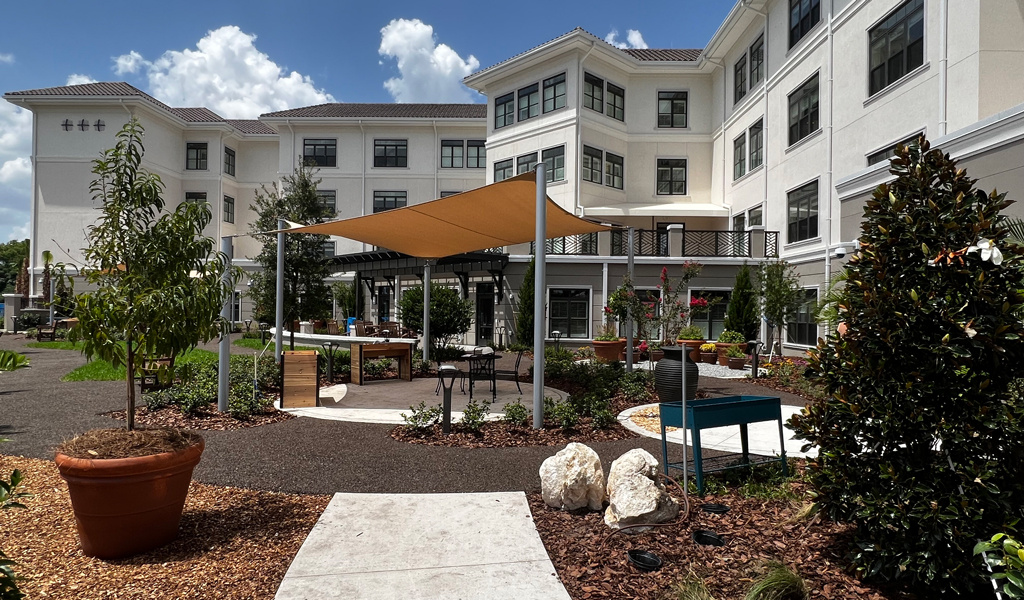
579	131
33	213
725	101
437	143
943	64
831	116
764	119
291	131
362	187
220	189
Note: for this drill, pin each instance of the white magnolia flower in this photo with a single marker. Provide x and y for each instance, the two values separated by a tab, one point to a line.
988	251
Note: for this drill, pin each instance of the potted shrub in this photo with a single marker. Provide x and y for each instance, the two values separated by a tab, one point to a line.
726	340
735	357
158	290
691	336
607	345
708	353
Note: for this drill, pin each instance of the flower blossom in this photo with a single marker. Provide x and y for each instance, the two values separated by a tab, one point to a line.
988	251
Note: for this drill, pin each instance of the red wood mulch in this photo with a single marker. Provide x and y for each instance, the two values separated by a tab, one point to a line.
498	434
208	419
773	383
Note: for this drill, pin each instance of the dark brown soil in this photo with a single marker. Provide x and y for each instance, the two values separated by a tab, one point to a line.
208	419
499	434
121	443
775	384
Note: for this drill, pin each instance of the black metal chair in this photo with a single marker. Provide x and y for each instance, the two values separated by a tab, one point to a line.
481	368
511	374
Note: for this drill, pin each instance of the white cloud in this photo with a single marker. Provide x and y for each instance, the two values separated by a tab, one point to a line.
633	39
76	79
429	72
225	73
7	58
18	233
15	169
15	166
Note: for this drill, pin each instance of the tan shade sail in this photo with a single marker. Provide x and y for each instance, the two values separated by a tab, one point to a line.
499	214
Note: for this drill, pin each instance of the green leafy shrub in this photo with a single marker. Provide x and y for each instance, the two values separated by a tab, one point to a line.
475	415
743	313
920	437
778	582
422	416
1005	556
691	332
565	415
376	368
732	337
450	315
251	335
734	352
635	386
516	413
12	361
602	418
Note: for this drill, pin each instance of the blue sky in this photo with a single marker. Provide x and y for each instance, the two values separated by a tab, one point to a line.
243	58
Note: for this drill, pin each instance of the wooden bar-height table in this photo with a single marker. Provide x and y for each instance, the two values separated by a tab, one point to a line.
400	350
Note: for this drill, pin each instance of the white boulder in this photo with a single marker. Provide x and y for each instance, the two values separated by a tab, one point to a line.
573	478
636	493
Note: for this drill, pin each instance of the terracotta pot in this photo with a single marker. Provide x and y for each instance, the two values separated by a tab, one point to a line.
609	351
126	506
709	357
657	355
737	363
721	347
694	346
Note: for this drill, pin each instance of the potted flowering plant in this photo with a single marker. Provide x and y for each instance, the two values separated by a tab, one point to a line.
708	354
726	340
607	344
735	357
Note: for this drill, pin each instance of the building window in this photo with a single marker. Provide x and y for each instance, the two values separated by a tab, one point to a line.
554	161
897	45
801	328
195	157
593	93
526	163
554	93
803	213
529	102
671	176
390	153
446	194
756	145
229	161
803	111
739	222
739	157
672	109
328	249
229	209
740	79
713	320
502	170
755	217
320	152
613	170
592	159
616	102
451	154
476	154
756	60
236	306
569	312
887	153
195	196
328	201
803	16
383	201
504	110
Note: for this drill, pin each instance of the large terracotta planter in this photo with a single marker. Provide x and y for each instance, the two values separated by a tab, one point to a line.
737	363
721	347
657	355
694	346
126	506
609	351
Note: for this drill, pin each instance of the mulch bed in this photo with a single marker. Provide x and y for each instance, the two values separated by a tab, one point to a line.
591	566
775	384
498	434
208	419
233	543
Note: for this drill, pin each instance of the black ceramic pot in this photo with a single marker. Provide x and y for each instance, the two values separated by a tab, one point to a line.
668	375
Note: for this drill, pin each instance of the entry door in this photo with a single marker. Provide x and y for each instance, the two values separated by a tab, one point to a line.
484	313
383	304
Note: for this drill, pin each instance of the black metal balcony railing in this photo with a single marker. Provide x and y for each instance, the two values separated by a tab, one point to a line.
771	244
716	243
646	242
583	244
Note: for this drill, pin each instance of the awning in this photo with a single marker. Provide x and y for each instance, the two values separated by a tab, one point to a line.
663	209
500	214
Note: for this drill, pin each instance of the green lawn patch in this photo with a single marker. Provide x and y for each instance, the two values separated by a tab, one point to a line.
55	345
101	370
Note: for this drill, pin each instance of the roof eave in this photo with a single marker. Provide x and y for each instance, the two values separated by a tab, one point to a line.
385	120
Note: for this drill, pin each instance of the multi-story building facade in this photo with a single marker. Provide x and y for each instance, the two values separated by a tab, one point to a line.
763	143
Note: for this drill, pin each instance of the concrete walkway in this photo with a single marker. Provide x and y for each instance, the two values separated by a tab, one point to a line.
423	546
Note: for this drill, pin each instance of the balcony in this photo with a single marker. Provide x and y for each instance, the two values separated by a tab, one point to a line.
661	243
646	242
584	244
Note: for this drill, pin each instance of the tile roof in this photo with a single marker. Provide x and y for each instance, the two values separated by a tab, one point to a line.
251	126
197	115
386	111
664	54
103	88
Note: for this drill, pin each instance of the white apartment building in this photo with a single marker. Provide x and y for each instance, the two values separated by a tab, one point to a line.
765	142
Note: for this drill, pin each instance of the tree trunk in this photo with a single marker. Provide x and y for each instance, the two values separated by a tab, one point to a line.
130	367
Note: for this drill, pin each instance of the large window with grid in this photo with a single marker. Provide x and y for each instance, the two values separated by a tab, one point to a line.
526	163
616	102
739	157
803	16
451	154
897	45
671	176
476	154
757	60
739	79
390	153
803	111
503	170
554	93
195	156
229	161
195	196
803	213
801	328
529	102
756	133
672	109
229	209
554	162
591	168
755	217
328	201
614	169
712	322
320	152
569	312
328	249
504	110
383	201
593	93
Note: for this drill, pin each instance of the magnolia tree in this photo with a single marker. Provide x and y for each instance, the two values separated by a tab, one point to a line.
158	280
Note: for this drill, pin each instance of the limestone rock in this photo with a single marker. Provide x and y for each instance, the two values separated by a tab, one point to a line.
636	494
573	478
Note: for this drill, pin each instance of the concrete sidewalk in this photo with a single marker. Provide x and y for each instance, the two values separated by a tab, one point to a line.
423	546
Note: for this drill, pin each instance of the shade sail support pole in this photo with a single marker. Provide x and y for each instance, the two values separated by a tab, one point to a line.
539	295
224	360
279	297
629	318
426	311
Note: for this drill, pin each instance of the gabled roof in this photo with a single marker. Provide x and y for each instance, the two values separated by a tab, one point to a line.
353	110
198	115
100	88
251	126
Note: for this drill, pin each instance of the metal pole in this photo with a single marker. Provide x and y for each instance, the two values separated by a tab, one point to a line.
53	294
426	311
224	363
539	295
686	492
279	304
629	318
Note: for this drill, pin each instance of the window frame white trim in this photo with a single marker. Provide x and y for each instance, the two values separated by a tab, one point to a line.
547	312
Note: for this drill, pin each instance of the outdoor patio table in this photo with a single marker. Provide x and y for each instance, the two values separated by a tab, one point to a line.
478	364
361	352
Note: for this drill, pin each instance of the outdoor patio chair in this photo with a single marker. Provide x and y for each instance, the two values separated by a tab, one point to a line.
332	327
512	374
389	329
481	368
46	334
459	373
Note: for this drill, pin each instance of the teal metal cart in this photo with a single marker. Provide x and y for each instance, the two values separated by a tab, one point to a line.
707	413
